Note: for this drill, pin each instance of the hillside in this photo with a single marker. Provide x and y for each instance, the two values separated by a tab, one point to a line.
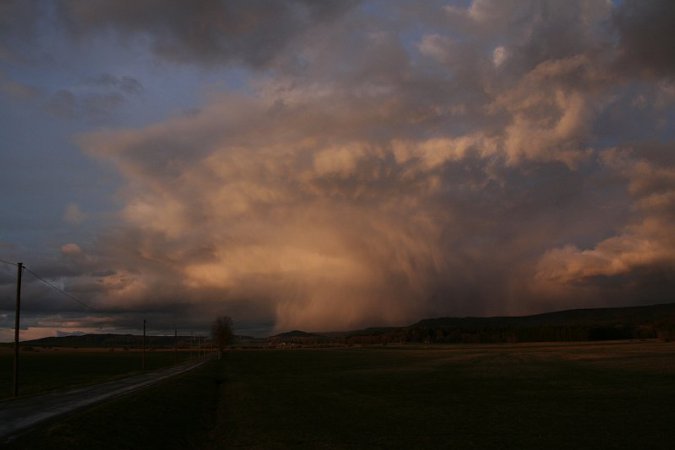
573	317
639	322
298	337
113	340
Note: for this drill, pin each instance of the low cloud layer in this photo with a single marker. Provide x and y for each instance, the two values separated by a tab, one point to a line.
389	162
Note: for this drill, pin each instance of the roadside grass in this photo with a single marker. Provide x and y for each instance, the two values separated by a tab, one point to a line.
174	414
548	396
46	370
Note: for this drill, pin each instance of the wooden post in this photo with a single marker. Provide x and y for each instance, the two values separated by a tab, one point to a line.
143	364
17	322
175	345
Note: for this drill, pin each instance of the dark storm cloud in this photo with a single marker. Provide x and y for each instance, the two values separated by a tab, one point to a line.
398	178
125	84
68	105
62	103
18	21
7	275
400	160
646	38
211	31
94	98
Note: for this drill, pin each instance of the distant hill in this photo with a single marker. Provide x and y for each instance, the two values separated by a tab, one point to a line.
298	337
638	322
572	317
111	340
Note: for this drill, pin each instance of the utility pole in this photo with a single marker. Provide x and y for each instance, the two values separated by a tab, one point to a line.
175	345
143	365
15	387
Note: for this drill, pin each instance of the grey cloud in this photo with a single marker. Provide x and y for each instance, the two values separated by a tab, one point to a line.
399	184
97	105
7	276
646	39
386	173
18	21
95	98
435	229
62	104
92	106
639	260
210	32
126	84
553	30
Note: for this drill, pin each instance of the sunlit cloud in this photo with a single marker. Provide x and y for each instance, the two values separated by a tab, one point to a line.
379	163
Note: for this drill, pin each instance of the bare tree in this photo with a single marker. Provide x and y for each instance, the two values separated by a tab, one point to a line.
221	331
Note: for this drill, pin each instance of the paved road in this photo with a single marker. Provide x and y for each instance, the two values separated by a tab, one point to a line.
19	414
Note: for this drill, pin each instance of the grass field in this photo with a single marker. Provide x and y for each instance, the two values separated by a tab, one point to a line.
45	370
553	396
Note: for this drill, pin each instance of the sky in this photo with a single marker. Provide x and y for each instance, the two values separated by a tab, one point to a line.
332	165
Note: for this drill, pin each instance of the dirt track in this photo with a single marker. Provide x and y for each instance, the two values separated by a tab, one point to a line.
18	415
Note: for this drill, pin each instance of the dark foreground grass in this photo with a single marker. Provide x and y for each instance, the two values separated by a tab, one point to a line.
600	396
45	370
173	415
482	398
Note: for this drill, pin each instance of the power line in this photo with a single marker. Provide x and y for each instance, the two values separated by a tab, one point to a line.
8	262
51	285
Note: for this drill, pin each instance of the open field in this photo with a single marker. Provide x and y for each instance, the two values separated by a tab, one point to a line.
43	370
555	396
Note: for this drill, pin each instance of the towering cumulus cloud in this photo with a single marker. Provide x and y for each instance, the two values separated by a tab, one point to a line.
387	161
406	176
279	200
